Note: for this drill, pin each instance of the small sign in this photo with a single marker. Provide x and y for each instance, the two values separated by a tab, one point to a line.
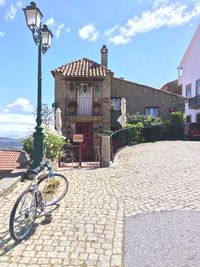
172	109
78	138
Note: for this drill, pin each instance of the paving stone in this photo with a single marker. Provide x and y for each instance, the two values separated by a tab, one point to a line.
87	227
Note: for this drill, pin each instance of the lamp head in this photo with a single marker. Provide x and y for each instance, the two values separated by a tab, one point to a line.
33	16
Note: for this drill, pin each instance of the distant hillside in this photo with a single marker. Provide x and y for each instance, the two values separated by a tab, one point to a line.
9	143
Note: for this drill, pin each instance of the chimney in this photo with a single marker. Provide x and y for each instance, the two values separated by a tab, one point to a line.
104	56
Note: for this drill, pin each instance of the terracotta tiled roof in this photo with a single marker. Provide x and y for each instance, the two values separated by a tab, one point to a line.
9	160
82	68
172	87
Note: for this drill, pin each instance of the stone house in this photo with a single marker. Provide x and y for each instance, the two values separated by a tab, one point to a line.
89	97
172	87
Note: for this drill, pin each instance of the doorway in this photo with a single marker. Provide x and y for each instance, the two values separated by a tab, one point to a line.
87	130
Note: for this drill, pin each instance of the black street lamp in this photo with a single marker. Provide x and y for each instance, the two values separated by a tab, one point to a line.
42	37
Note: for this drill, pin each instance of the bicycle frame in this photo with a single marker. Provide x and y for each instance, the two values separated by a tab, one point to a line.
48	170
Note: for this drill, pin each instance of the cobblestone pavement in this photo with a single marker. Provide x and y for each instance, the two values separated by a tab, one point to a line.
87	227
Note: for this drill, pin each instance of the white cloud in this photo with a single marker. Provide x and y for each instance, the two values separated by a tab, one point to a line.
158	3
17	119
50	22
163	14
19	4
20	105
57	28
109	32
2	34
11	13
16	125
88	32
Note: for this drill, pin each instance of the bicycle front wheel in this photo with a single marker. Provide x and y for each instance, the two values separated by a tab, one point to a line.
61	189
23	215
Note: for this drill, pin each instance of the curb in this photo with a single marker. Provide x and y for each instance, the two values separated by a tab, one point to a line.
10	180
7	184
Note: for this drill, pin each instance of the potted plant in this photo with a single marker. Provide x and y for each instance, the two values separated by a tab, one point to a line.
72	106
96	107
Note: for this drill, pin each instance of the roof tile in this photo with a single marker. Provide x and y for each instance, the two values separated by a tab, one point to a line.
9	160
83	68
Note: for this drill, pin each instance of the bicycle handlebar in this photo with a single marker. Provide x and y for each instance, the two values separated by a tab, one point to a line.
40	168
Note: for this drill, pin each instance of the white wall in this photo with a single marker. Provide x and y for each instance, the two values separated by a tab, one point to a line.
191	72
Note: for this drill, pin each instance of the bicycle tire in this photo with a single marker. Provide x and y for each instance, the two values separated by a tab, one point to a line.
63	185
26	213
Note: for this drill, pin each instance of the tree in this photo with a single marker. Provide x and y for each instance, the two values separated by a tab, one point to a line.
47	115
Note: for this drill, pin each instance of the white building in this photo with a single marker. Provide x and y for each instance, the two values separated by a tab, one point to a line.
189	78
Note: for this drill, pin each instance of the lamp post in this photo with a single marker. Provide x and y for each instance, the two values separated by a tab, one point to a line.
42	37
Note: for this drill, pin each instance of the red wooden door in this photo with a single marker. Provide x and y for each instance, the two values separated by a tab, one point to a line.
87	130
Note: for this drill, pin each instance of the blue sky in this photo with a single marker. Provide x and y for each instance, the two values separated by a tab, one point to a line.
146	41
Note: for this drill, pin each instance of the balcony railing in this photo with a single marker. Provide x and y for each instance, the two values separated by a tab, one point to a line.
84	107
194	102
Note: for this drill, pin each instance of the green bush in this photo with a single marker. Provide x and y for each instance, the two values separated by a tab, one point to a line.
27	144
146	120
53	145
152	133
151	129
132	133
177	120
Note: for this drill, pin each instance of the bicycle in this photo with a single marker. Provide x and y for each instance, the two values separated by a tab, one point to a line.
27	205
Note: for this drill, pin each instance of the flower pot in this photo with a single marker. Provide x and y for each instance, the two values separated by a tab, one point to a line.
96	108
72	107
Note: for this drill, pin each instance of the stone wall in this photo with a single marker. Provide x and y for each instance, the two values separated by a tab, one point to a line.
138	97
63	94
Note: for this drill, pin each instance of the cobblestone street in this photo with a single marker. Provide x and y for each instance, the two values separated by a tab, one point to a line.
88	226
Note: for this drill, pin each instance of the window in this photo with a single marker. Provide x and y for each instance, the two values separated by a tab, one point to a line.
188	91
198	87
198	117
152	111
188	118
116	103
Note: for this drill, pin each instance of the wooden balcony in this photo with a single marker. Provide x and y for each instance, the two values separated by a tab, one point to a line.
84	109
194	102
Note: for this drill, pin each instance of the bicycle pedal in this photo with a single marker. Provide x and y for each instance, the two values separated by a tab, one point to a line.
48	217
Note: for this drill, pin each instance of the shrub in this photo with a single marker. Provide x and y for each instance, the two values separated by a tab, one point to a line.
152	133
27	144
53	144
177	120
135	118
132	133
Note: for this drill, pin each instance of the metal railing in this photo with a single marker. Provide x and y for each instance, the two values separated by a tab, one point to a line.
84	106
86	154
122	138
194	102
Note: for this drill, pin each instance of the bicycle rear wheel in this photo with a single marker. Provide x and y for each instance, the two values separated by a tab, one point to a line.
61	190
23	215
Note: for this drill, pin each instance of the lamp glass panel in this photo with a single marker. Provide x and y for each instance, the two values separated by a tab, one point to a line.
31	17
38	20
50	39
45	38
